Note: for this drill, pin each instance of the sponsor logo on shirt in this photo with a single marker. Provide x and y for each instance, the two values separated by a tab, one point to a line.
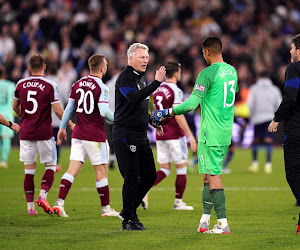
106	93
200	87
180	94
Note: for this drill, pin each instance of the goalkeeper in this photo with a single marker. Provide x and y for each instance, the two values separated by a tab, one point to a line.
215	90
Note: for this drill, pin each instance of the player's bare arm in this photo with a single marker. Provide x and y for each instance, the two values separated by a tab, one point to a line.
13	126
185	127
17	107
59	112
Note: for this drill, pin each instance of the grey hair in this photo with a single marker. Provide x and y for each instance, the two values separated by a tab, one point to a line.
133	47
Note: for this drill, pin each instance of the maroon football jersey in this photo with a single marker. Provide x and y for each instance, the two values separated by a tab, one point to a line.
166	96
87	93
36	95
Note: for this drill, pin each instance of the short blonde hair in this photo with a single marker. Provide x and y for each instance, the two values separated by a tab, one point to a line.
95	61
133	47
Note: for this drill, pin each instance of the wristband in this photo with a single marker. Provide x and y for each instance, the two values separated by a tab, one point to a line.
10	124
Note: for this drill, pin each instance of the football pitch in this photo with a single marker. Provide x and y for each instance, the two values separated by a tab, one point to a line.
260	211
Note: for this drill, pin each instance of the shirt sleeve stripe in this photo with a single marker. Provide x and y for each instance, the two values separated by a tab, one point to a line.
293	83
126	90
56	101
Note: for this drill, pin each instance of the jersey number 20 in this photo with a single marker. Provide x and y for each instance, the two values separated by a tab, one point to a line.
82	102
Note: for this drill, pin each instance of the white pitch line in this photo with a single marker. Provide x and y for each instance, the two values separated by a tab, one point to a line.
255	189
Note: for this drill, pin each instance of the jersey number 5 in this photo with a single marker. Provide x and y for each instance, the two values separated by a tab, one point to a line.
232	90
31	93
83	99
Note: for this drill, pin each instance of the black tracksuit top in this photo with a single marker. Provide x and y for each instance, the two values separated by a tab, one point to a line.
289	109
132	100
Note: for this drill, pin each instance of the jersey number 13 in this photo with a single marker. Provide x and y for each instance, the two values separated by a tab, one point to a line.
231	92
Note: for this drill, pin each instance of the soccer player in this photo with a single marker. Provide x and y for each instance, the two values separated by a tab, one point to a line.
132	147
289	113
215	90
263	101
172	145
7	89
13	126
90	97
34	97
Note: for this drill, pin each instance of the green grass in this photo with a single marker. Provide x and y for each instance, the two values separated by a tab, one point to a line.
260	211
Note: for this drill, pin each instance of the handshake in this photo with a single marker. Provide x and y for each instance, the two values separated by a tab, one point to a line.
158	116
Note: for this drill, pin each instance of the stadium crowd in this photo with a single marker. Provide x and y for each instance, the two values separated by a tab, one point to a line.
66	33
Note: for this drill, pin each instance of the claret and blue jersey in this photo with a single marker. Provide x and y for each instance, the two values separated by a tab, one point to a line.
88	92
36	95
168	95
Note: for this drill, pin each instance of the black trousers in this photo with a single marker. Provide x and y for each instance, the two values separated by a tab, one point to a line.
137	166
108	131
291	148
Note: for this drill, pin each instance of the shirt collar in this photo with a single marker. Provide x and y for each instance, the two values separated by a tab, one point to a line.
94	76
36	76
137	73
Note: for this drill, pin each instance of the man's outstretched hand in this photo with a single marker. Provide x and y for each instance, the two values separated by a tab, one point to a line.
159	115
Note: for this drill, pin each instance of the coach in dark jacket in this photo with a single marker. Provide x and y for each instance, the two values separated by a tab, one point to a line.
289	113
132	147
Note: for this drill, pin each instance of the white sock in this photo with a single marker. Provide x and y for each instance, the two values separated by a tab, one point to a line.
222	222
205	218
30	205
43	194
166	171
60	202
268	165
181	171
178	201
102	183
106	207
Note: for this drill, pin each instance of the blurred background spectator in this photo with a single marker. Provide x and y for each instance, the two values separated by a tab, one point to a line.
254	33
